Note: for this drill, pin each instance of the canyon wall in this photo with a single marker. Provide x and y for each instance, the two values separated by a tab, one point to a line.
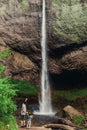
20	31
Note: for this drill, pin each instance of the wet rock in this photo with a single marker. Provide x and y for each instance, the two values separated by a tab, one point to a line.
39	120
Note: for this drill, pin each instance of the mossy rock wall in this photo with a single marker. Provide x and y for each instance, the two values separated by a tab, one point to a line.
70	24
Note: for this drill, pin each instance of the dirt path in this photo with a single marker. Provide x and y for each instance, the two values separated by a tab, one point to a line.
35	128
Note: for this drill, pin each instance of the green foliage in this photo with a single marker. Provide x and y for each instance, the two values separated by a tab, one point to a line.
2	68
8	89
24	4
7	92
77	120
71	94
7	106
9	123
70	24
84	128
5	54
65	2
24	87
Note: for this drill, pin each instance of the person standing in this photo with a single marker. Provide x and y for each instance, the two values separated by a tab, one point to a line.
29	118
23	113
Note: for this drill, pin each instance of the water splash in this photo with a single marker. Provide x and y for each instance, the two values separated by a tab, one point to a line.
45	99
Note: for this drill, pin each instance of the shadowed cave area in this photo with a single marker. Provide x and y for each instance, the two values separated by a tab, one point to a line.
69	80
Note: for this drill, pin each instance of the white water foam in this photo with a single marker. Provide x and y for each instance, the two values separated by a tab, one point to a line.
45	99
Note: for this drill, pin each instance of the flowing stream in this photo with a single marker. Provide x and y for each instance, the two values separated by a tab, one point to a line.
45	107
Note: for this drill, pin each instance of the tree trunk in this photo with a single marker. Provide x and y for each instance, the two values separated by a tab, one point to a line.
61	126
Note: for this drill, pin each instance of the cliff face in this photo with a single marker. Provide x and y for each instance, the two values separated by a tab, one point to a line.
20	29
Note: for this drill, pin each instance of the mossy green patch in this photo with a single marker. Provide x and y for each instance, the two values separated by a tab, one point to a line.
24	87
5	54
24	4
2	68
84	128
71	94
78	120
70	23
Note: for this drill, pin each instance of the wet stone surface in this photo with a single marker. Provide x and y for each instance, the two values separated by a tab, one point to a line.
39	120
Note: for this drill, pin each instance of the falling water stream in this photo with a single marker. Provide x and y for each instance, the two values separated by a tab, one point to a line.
45	107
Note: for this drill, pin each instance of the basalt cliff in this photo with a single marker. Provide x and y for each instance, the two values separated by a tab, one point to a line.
20	31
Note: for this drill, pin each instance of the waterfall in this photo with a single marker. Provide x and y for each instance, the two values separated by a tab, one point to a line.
45	107
45	101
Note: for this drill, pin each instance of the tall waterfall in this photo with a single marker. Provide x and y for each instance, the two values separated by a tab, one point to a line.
45	99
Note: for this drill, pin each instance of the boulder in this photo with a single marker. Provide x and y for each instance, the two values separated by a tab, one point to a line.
71	112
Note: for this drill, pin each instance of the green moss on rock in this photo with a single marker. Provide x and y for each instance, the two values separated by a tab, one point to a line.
70	24
5	54
24	4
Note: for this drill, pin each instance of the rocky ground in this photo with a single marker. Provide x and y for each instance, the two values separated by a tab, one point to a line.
66	122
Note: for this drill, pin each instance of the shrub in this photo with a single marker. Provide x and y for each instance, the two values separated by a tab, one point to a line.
24	87
6	94
9	123
7	106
